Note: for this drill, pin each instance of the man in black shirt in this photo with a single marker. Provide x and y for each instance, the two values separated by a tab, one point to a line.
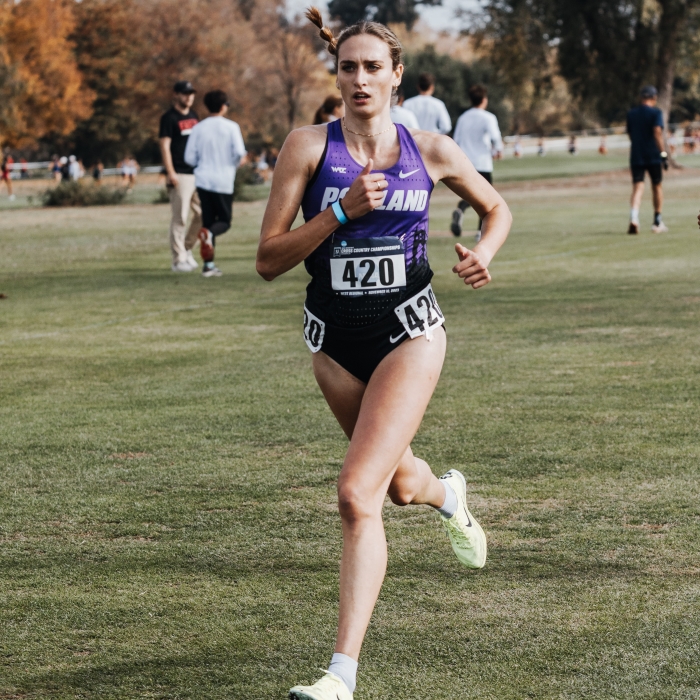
175	127
645	126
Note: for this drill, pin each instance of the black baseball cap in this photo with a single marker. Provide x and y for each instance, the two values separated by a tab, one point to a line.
184	87
648	92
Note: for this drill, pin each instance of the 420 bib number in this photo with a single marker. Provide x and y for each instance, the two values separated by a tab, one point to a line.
421	315
368	266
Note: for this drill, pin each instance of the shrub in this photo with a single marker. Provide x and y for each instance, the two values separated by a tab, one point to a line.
75	194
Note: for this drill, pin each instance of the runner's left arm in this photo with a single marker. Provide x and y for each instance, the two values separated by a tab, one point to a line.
447	162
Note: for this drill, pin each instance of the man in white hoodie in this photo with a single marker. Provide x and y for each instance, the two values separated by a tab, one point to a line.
215	149
478	135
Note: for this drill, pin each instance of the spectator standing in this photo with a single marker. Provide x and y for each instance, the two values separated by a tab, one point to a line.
478	135
430	112
645	125
332	108
175	128
65	169
215	149
56	169
74	169
401	115
6	171
98	172
24	171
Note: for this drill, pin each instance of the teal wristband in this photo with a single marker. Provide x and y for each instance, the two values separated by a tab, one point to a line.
339	213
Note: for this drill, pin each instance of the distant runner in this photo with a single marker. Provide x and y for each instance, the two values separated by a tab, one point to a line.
478	135
431	113
645	126
401	115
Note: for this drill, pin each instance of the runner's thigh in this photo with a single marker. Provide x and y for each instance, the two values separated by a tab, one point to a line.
391	412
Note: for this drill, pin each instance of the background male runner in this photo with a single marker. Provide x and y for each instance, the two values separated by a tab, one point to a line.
645	126
478	135
401	115
175	127
215	149
431	113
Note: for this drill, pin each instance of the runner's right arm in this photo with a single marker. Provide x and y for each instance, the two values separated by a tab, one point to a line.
280	248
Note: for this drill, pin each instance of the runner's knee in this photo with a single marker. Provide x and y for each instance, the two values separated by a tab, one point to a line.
355	503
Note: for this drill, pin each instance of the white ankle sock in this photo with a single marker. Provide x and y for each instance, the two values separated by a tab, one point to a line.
449	507
634	216
345	668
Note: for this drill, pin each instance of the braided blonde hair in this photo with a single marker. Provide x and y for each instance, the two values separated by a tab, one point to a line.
313	14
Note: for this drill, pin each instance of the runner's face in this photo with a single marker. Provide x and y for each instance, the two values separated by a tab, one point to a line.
365	76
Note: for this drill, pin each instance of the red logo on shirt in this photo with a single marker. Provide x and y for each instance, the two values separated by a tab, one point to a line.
186	126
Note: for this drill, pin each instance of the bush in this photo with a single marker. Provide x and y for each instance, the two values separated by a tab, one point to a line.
75	194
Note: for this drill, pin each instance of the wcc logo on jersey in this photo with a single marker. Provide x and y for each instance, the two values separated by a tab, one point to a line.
400	200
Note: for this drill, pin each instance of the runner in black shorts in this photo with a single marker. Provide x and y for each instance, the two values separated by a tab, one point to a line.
371	319
645	124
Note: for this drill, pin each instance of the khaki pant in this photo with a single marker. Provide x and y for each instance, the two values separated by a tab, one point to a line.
183	198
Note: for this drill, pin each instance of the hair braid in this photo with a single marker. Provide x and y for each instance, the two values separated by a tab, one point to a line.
313	14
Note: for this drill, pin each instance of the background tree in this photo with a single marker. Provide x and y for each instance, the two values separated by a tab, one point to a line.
453	78
42	91
385	11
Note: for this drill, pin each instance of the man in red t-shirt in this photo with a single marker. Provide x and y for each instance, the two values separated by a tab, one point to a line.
175	127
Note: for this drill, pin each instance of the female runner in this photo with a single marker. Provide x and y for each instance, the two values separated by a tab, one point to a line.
371	319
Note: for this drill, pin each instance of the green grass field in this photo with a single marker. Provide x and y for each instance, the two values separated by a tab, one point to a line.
168	526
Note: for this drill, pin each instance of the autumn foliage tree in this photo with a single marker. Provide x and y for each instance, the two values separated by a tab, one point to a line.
42	92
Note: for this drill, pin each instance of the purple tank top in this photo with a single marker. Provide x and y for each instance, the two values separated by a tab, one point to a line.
357	272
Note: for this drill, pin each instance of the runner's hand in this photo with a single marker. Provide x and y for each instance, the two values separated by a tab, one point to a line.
470	267
365	194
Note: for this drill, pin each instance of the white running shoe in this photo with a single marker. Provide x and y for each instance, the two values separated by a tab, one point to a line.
467	538
191	261
659	228
12	197
212	272
183	266
330	687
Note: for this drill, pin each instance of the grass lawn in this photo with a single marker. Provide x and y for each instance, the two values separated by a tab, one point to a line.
168	526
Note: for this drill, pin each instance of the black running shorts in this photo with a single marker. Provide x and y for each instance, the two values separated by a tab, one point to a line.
360	350
653	169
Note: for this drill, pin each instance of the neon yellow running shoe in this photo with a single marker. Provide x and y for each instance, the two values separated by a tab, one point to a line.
467	538
330	687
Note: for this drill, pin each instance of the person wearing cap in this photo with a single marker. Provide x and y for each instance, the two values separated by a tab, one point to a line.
645	126
175	127
215	149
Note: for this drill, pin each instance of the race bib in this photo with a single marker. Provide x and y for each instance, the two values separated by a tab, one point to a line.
314	330
364	266
421	315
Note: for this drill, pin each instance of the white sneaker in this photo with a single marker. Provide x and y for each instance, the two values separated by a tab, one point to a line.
330	687
465	533
660	228
212	272
12	197
182	266
191	261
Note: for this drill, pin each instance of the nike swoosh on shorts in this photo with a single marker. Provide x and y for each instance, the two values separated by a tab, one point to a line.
402	174
398	337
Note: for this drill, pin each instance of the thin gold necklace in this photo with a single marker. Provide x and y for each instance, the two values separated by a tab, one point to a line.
357	133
